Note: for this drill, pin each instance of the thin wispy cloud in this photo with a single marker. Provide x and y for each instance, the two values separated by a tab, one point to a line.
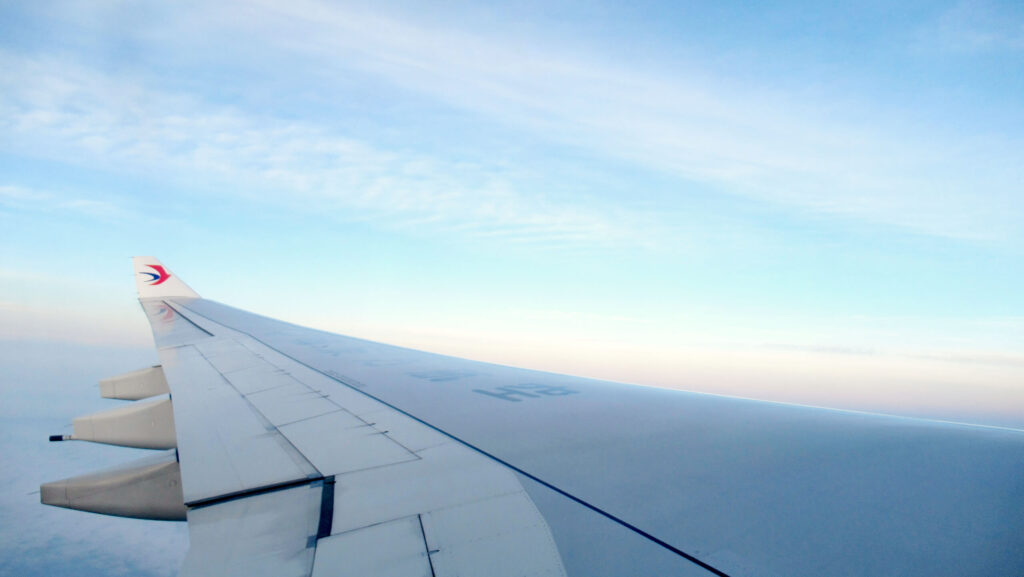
978	26
19	194
22	198
58	109
809	155
1007	360
742	139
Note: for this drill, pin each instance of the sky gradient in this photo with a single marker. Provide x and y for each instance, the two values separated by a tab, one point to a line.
798	202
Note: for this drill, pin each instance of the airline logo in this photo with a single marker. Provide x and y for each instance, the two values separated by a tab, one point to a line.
157	277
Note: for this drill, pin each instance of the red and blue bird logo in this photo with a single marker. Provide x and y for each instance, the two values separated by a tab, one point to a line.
157	277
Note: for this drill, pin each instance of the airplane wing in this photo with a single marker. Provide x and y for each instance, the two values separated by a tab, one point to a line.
295	452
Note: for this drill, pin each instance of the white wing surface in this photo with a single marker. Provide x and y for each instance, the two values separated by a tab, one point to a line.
306	453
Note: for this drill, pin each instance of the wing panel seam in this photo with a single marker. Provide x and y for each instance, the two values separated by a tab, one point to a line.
319	473
426	545
326	509
210	501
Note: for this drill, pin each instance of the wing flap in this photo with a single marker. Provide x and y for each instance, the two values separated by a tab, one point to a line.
392	549
271	534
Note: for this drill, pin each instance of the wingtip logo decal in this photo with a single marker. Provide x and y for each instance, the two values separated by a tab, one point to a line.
157	277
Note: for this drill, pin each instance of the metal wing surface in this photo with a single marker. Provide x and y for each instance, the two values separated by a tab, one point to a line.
308	453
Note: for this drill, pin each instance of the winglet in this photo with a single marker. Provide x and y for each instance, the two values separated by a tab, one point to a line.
153	280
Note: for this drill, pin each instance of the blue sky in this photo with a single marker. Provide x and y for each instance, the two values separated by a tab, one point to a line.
793	201
691	195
